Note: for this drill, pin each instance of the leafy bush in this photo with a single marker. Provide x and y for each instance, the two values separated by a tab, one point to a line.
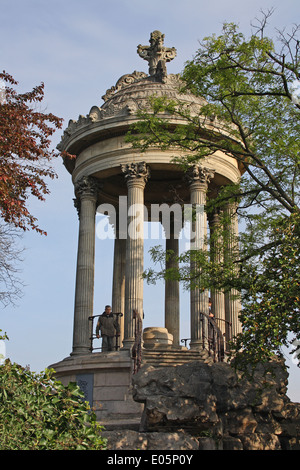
39	413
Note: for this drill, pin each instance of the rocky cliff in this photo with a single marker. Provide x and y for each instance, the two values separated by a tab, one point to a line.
209	406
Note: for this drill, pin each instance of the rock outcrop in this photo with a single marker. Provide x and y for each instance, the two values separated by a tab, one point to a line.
209	406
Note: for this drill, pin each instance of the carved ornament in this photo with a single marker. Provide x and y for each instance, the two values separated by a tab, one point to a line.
199	174
87	186
157	55
136	171
123	82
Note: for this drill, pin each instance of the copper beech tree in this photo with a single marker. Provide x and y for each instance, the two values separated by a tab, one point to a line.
25	152
25	166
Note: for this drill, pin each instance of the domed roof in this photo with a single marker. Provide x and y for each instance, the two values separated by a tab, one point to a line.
134	91
98	139
130	94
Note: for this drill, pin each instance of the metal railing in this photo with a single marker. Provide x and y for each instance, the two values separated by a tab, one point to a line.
93	335
213	338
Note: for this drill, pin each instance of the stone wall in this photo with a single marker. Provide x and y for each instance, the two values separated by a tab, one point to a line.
108	381
208	406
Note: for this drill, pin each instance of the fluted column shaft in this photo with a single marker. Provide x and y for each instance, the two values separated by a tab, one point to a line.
86	191
172	309
118	290
198	178
136	175
216	255
232	298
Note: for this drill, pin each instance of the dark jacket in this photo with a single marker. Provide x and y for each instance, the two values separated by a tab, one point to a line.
107	324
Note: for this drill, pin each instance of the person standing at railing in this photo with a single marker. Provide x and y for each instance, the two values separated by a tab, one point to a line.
107	325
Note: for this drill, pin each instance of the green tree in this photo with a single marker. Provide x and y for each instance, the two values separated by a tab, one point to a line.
38	413
251	102
271	300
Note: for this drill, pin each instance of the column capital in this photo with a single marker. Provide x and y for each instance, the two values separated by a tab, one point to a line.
136	173
199	176
87	186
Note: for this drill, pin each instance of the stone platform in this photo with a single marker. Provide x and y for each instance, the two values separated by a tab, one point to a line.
106	380
106	377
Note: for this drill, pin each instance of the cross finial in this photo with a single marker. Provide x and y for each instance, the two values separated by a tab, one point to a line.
157	55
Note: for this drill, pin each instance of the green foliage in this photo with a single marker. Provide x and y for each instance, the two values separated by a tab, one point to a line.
271	300
39	413
3	336
268	283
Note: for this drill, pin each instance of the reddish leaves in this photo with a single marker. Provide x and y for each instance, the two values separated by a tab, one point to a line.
25	153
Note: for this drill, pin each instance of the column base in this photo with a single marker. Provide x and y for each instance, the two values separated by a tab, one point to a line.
80	352
197	345
127	344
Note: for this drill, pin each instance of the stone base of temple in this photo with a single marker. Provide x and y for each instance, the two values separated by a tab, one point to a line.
106	377
106	380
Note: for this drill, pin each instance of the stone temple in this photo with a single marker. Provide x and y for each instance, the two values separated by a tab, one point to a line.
112	177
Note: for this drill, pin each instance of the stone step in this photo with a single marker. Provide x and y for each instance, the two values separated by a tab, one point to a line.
121	423
169	357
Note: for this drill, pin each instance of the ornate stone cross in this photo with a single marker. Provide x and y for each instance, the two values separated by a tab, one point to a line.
157	55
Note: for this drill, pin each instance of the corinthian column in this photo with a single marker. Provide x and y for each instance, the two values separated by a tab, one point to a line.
232	297
118	290
216	255
198	178
172	305
136	175
86	191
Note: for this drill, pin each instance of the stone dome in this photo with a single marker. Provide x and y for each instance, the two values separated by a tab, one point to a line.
121	103
135	90
98	140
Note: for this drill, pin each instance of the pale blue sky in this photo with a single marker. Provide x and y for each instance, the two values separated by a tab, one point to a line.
79	50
